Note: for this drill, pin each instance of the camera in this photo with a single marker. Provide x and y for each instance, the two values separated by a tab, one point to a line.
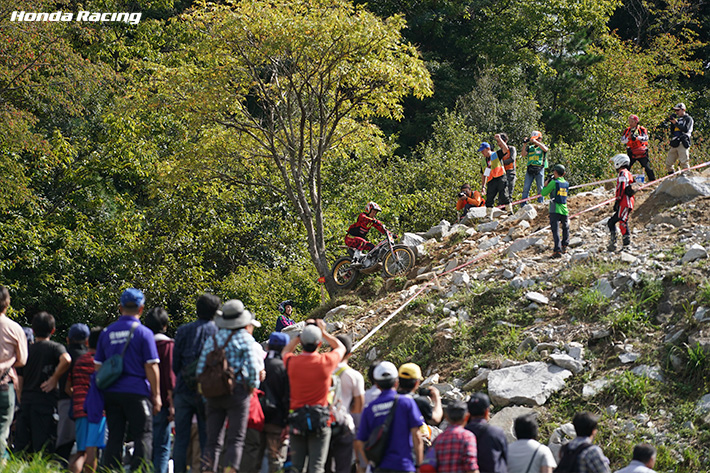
526	140
462	195
672	116
424	392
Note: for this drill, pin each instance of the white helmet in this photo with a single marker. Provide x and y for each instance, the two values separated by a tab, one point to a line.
372	205
620	160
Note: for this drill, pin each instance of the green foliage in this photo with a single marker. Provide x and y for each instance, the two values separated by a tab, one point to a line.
704	292
632	390
589	304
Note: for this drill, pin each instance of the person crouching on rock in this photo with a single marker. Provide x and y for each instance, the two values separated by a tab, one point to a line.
468	200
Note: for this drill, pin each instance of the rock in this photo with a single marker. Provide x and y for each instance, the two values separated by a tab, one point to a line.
294	330
431	308
433	379
488	226
684	186
703	408
458	227
372	354
497	213
560	436
574	242
677	362
420	250
425	276
479	382
528	213
671	338
474	213
531	383
333	327
453	263
628	357
444	387
593	388
537	298
567	362
546	346
575	350
508	274
580	256
340	310
695	252
627	258
438	231
505	419
702	339
462	314
603	287
449	322
521	244
460	278
488	243
700	314
652	372
520	283
528	344
600	333
412	239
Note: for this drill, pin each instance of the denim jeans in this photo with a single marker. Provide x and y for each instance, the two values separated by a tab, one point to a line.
235	409
7	412
314	446
161	441
186	405
134	412
539	178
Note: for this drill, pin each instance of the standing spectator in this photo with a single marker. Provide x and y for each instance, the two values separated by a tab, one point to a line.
252	453
557	189
624	202
350	405
509	165
284	320
410	375
157	320
404	435
536	152
373	392
47	361
643	461
527	455
581	454
238	345
494	180
455	448
635	138
309	380
491	442
77	345
131	399
188	403
274	437
681	129
90	436
13	354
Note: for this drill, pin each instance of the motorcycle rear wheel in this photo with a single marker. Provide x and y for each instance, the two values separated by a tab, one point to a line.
344	274
400	260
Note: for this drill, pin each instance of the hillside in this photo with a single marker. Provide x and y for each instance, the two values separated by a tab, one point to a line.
625	335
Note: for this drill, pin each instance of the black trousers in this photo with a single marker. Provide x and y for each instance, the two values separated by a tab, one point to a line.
645	164
36	426
132	413
563	221
498	186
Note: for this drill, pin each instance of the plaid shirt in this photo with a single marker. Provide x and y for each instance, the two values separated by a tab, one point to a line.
456	451
592	460
240	354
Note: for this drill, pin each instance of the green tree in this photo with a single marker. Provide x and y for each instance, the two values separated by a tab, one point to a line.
279	88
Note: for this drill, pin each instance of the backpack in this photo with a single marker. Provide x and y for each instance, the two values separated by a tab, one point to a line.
379	438
568	458
217	377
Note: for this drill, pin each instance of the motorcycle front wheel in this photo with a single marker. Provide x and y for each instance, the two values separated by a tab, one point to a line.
400	260
344	274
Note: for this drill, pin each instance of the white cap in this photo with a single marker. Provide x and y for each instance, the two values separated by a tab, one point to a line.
384	371
680	106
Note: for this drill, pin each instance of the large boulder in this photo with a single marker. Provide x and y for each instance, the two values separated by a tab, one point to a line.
528	213
475	213
438	231
529	384
505	419
685	186
488	226
412	240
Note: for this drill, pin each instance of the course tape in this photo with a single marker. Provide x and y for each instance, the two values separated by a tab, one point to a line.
488	253
578	186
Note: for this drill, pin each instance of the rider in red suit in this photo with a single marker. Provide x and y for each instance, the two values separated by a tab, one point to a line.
357	232
624	201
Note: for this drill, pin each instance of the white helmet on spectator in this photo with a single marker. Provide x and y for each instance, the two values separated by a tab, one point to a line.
372	205
620	160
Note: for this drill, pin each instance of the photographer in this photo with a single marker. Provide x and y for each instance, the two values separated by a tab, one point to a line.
635	137
493	173
681	129
467	200
428	399
536	153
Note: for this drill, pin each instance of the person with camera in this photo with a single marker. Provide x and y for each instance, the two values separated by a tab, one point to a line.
536	152
468	200
428	399
509	166
635	137
557	188
681	129
493	173
309	377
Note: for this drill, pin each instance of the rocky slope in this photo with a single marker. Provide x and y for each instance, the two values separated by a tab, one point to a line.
625	335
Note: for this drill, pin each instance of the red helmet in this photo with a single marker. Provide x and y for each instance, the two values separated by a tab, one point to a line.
372	205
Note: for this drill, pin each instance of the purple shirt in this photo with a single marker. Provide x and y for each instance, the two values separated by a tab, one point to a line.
399	455
141	350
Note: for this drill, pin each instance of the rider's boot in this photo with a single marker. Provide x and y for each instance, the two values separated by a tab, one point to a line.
612	243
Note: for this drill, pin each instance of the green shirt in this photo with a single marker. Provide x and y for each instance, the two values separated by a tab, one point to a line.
551	190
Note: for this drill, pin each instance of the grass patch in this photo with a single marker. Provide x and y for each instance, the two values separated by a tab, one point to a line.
588	304
704	292
631	390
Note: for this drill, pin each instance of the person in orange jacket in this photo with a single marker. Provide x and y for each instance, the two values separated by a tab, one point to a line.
468	200
635	138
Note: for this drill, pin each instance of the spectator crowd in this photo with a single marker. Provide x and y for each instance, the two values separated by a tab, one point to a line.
109	398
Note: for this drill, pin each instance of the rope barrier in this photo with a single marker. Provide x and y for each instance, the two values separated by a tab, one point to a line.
506	246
